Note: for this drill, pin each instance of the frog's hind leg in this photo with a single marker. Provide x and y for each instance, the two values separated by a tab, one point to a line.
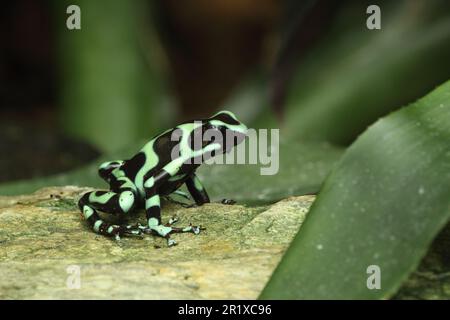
109	202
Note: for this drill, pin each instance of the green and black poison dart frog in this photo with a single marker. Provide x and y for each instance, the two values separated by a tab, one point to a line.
159	169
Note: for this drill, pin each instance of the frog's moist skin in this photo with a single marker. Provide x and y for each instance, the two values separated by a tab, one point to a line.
154	172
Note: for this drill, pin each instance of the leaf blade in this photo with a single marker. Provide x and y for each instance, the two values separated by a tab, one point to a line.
381	205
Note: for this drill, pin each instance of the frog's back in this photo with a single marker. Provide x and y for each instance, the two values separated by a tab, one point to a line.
153	156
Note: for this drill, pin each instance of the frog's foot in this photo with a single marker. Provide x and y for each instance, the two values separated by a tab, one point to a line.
170	242
118	231
228	201
172	221
194	229
165	231
135	230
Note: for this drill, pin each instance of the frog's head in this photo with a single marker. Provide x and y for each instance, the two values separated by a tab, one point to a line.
232	130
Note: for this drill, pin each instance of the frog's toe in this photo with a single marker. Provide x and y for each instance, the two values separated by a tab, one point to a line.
173	220
194	229
160	230
228	201
171	242
165	231
132	230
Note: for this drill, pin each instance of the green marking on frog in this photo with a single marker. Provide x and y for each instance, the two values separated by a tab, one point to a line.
126	200
153	201
103	198
97	225
87	212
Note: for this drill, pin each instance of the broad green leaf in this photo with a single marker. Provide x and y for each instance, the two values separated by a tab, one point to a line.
381	205
302	168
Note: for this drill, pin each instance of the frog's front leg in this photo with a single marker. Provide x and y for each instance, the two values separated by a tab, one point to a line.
109	202
198	192
196	189
153	210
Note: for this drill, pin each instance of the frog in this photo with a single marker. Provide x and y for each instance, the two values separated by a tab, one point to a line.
165	163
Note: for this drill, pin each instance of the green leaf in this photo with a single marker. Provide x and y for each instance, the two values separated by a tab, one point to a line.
112	91
382	205
302	169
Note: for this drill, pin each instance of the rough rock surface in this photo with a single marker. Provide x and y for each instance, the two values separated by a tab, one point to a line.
44	241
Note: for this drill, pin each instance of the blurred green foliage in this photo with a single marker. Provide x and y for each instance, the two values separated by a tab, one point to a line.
353	75
112	89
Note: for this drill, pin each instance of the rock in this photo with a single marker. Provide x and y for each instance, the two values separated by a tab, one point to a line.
431	280
44	242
